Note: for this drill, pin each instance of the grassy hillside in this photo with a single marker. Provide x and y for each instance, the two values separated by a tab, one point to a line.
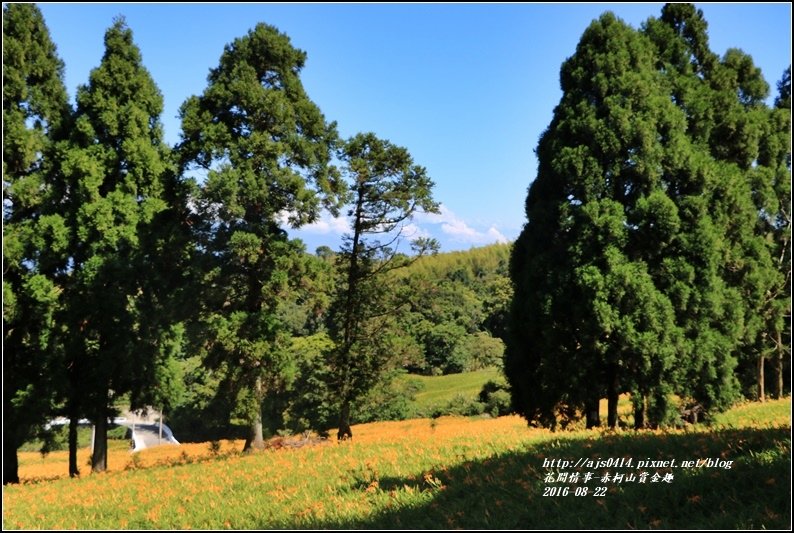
439	391
435	474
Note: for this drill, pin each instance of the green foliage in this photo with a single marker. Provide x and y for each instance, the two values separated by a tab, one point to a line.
304	314
726	113
386	190
35	233
204	412
495	394
460	405
440	346
264	149
641	267
394	399
475	264
457	309
306	402
584	297
480	350
120	176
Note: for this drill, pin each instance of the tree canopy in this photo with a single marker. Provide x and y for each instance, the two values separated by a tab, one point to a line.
116	166
263	150
35	117
640	264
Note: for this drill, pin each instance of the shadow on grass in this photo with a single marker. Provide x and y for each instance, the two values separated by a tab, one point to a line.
506	491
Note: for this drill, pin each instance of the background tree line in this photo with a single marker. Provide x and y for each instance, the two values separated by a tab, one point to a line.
451	307
656	259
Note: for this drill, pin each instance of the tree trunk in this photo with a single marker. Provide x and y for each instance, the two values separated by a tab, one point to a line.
256	440
612	398
779	368
99	457
591	412
74	470
761	397
641	413
344	422
351	317
10	461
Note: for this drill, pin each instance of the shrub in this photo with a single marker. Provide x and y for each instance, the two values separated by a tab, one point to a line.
461	406
495	394
392	401
479	350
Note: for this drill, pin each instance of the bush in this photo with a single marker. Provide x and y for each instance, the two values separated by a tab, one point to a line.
391	401
460	406
498	403
441	349
495	395
479	350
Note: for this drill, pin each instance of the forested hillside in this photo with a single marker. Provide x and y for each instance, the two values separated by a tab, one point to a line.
450	312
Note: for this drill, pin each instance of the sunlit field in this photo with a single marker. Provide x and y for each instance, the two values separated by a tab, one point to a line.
450	472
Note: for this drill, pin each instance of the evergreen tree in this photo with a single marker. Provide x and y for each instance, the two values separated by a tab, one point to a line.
771	189
387	189
724	104
780	329
588	318
35	116
116	165
620	272
262	149
645	264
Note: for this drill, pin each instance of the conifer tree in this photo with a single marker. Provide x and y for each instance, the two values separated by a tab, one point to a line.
35	116
117	167
637	266
261	149
386	190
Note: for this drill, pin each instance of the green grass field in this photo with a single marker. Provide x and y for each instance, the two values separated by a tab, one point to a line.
438	391
453	472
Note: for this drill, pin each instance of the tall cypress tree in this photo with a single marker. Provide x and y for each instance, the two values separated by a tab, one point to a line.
708	308
35	115
116	165
640	265
724	103
263	150
780	159
588	318
770	182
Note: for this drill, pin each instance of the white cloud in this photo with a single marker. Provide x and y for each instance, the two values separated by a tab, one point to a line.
282	217
328	224
457	228
325	225
446	226
412	231
496	235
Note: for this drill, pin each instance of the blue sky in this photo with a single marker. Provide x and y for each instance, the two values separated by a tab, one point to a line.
467	88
